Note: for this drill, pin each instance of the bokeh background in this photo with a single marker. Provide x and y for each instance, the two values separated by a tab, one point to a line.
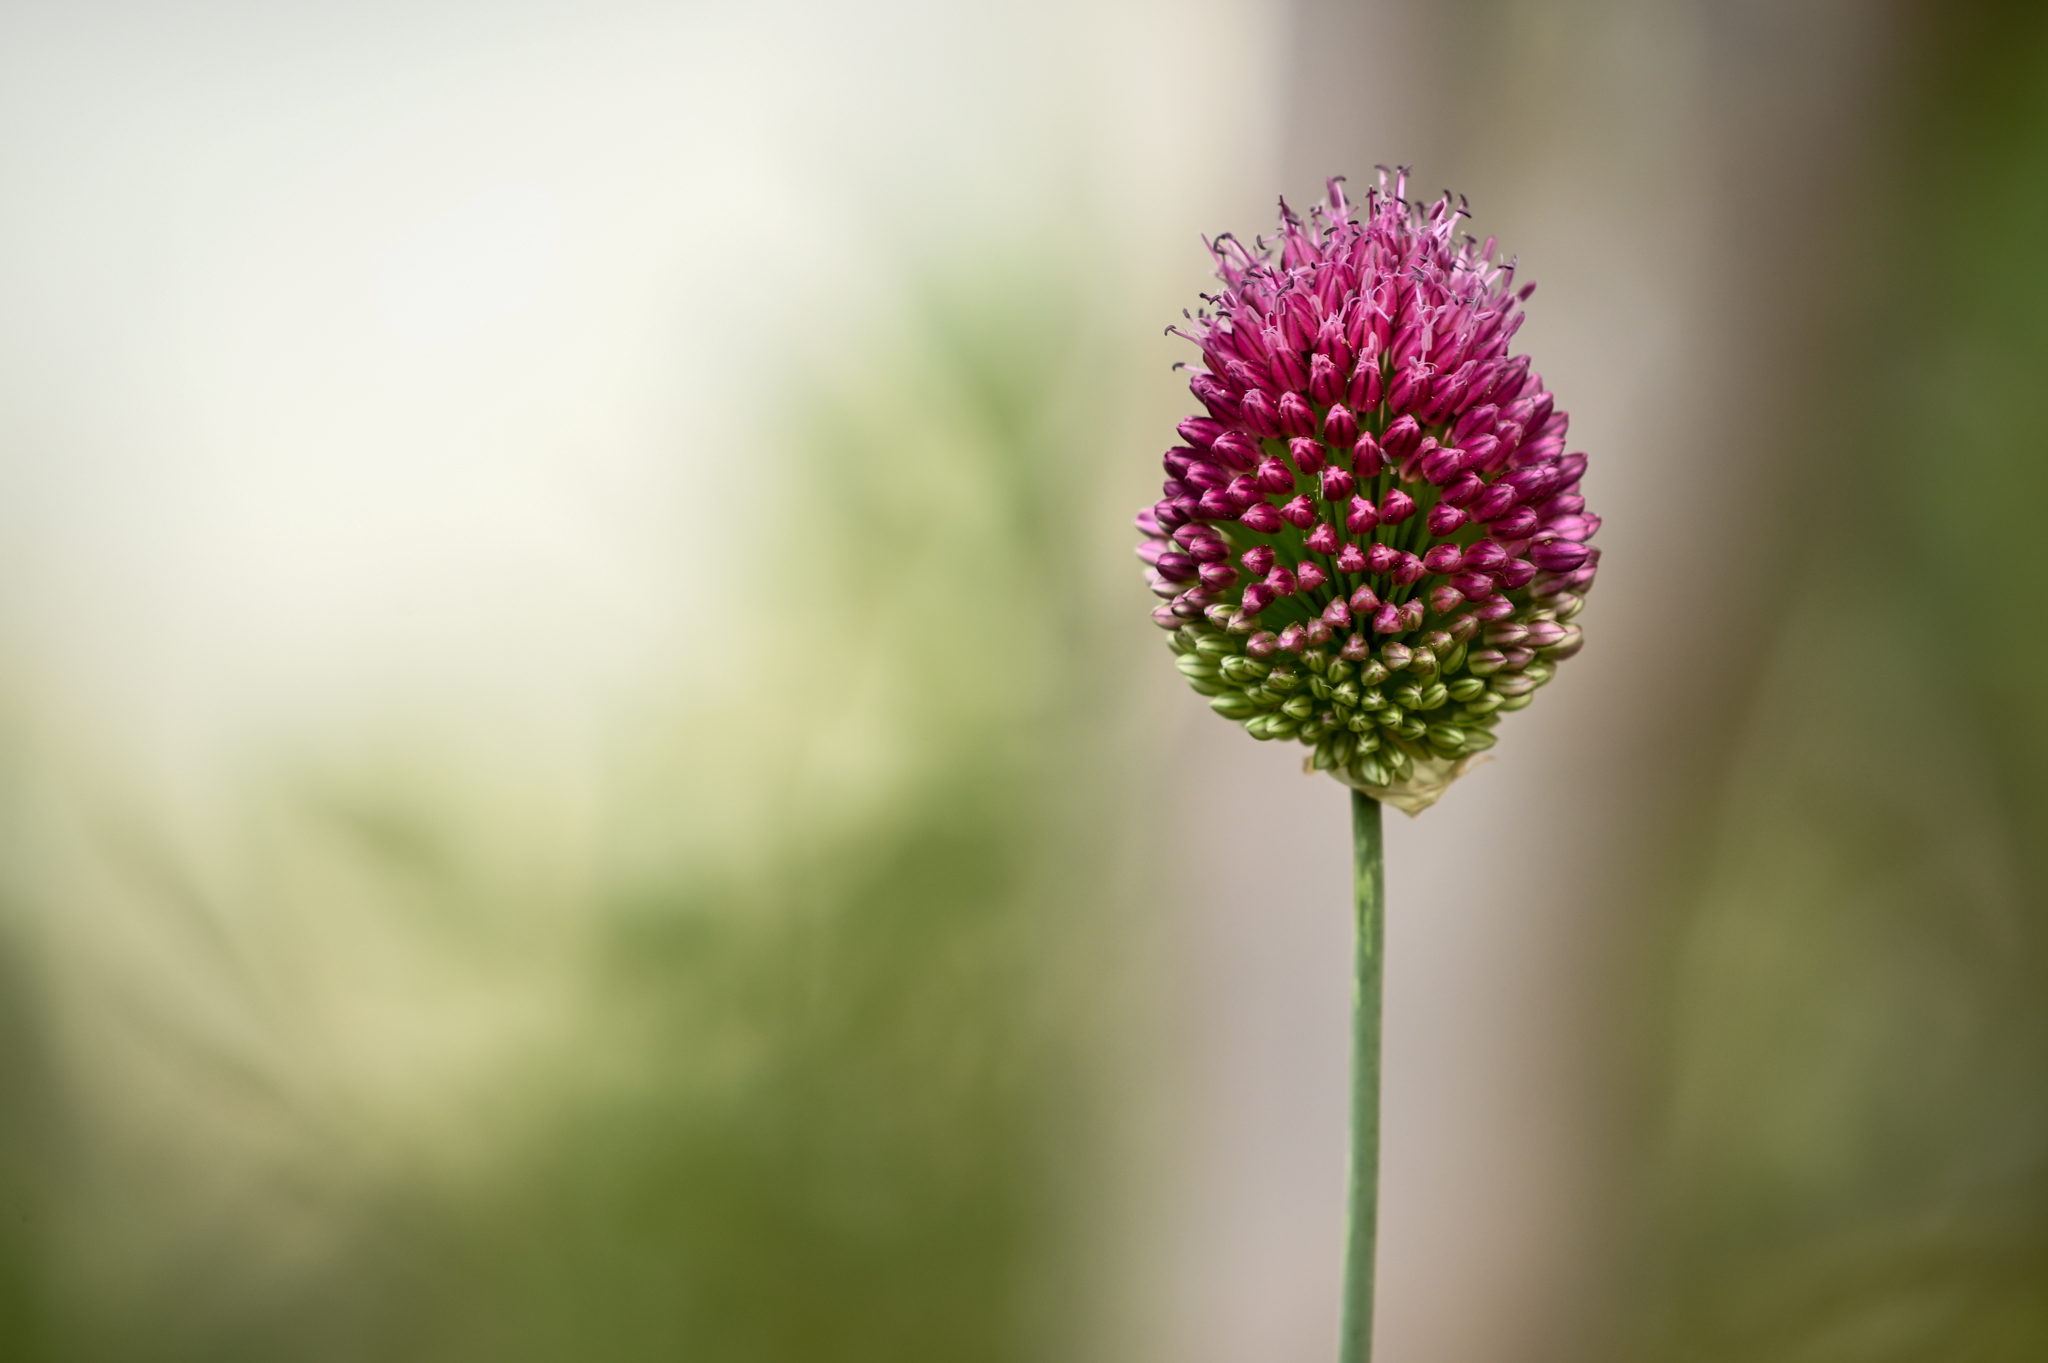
583	774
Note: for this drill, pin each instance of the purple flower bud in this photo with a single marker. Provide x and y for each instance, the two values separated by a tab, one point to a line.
1412	612
1262	644
1337	615
1401	438
1148	522
1543	633
1237	450
1351	559
1287	367
1206	475
1478	421
1356	649
1317	631
1474	586
1571	469
1292	639
1216	505
1441	465
1444	600
1200	431
1274	476
1367	458
1150	550
1362	517
1257	560
1160	587
1217	576
1164	617
1407	569
1519	658
1299	513
1189	605
1381	558
1396	657
1395	507
1177	460
1364	603
1409	390
1242	492
1206	548
1480	450
1494	503
1296	417
1307	454
1499	608
1261	517
1340	428
1217	396
1176	567
1175	511
1462	490
1260	416
1310	576
1516	572
1443	558
1365	391
1574	639
1337	486
1445	519
1325	384
1505	634
1509	434
1517	524
1558	556
1281	581
1256	598
1387	620
1484	557
1323	539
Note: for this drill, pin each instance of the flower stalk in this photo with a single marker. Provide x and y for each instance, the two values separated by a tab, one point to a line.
1368	855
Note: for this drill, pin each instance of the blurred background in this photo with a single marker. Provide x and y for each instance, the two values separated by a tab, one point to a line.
583	774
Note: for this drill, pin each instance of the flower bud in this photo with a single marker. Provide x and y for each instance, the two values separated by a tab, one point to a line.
1462	490
1206	547
1475	586
1340	428
1356	649
1261	517
1217	576
1395	507
1506	634
1205	476
1260	416
1242	492
1443	558
1262	644
1365	390
1484	557
1217	396
1295	416
1480	451
1484	662
1464	627
1310	576
1164	617
1444	520
1444	600
1200	431
1337	615
1494	503
1273	476
1395	657
1323	539
1362	517
1237	450
1407	568
1325	384
1287	369
1364	603
1351	559
1176	460
1176	567
1307	454
1281	581
1439	466
1381	558
1543	633
1402	438
1299	513
1496	608
1569	644
1257	560
1337	486
1516	572
1367	458
1409	390
1291	639
1412	612
1517	524
1317	632
1387	620
1558	556
1149	523
1477	421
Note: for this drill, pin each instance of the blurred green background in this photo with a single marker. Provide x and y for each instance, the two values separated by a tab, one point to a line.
584	775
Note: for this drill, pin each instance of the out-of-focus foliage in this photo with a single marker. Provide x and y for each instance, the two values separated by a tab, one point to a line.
1857	1167
777	1056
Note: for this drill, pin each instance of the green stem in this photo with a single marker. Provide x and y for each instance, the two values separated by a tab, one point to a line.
1369	862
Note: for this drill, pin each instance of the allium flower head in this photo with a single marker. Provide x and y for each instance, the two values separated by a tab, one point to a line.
1372	541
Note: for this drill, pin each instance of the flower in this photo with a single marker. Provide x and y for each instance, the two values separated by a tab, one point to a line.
1372	541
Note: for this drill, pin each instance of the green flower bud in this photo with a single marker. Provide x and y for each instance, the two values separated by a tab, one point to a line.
1373	673
1299	707
1234	705
1283	680
1422	662
1195	665
1345	695
1342	671
1318	688
1412	728
1395	656
1486	662
1448	739
1467	688
1434	697
1478	740
1408	694
1243	670
1520	684
1213	645
1517	702
1389	717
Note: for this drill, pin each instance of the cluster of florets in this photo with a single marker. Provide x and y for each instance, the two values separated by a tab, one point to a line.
1374	542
